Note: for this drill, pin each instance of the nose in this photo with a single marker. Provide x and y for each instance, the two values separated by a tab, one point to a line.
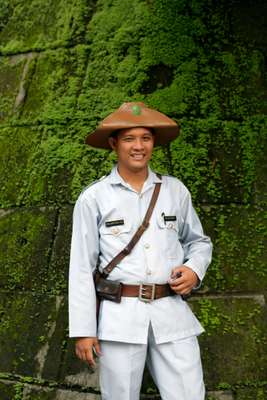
138	144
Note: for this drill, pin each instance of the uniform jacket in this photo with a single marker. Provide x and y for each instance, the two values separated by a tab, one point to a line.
106	216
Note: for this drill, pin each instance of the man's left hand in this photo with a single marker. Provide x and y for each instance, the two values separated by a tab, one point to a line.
186	282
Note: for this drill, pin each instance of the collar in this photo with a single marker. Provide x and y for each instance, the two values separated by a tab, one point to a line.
116	179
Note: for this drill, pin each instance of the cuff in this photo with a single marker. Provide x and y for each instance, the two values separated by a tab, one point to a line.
197	271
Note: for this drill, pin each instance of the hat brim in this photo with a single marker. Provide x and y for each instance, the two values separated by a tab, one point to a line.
163	134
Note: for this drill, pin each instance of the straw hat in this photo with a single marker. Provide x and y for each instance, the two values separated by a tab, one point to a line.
131	115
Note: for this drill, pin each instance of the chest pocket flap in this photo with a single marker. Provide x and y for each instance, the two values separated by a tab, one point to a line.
115	226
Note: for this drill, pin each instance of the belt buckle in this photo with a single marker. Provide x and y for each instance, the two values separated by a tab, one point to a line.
142	291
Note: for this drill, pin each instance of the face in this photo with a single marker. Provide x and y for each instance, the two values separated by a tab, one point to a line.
134	148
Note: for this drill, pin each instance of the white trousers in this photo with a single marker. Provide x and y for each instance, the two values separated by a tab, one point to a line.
174	366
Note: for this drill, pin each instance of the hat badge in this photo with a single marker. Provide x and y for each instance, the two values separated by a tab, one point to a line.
136	109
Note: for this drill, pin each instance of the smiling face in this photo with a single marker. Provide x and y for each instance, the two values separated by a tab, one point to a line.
134	148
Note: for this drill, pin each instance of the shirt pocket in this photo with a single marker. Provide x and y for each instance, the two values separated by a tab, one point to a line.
114	238
168	231
116	227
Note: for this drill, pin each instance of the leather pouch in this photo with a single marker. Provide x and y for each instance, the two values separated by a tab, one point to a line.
107	289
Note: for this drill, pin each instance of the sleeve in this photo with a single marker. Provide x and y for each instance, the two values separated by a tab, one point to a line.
83	260
196	245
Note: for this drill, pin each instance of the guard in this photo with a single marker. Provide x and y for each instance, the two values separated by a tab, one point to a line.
138	249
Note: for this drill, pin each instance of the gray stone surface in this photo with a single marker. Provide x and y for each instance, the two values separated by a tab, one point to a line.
76	372
233	346
25	239
7	389
59	265
60	73
41	393
239	256
220	395
30	340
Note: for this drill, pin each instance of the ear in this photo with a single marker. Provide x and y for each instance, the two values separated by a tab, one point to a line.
112	142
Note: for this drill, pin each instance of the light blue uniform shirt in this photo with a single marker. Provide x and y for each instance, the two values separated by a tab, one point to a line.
105	218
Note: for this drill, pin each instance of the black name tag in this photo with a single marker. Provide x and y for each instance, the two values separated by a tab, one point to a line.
115	223
168	218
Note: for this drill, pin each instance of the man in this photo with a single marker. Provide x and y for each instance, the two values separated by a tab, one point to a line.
169	260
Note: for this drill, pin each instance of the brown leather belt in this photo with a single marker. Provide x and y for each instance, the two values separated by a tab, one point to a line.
147	292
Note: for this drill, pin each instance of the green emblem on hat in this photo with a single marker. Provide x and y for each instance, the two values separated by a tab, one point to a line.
136	109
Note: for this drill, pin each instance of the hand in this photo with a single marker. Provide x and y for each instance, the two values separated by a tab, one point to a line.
85	348
186	282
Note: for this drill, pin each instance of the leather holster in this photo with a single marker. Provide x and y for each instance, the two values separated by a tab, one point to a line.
107	289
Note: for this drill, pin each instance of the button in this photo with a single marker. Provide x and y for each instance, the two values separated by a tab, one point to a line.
170	226
115	231
147	245
149	272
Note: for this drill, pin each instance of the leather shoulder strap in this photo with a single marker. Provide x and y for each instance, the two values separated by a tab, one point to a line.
145	224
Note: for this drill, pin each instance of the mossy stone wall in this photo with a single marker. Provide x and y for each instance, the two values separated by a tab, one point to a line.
64	66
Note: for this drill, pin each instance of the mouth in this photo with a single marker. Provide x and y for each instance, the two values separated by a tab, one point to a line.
138	157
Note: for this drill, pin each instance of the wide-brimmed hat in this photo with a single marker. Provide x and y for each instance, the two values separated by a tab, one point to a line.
131	115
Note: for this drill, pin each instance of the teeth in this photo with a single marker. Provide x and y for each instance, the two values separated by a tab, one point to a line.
138	156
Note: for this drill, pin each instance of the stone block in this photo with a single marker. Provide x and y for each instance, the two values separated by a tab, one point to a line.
251	393
55	84
19	178
11	74
260	183
30	340
34	392
233	346
219	160
8	389
59	266
26	237
75	372
207	163
37	166
239	258
37	25
220	395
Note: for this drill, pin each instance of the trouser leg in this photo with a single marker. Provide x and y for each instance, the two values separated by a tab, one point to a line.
121	370
176	369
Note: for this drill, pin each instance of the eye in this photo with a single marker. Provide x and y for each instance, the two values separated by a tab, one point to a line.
128	139
147	138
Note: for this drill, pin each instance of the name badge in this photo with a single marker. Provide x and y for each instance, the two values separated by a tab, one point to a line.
114	223
168	218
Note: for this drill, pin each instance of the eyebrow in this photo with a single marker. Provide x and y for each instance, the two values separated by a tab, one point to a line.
144	134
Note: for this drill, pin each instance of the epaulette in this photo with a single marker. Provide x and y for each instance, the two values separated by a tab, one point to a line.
93	183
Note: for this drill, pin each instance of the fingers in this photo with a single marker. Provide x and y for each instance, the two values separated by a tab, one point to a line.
97	348
85	355
86	348
183	280
181	288
180	281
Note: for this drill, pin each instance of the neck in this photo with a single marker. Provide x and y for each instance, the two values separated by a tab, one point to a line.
135	178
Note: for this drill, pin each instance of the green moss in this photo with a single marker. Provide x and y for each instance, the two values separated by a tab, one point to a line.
24	318
134	54
35	25
235	336
202	63
18	391
7	390
10	74
26	237
239	258
18	178
54	85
